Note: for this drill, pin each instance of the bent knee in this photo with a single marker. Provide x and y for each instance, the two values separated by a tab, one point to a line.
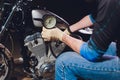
65	57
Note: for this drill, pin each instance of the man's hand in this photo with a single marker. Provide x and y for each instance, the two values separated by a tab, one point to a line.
52	34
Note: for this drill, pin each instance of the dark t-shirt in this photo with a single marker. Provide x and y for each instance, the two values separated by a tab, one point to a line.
107	25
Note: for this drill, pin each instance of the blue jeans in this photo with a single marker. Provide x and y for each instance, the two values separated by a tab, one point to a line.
71	66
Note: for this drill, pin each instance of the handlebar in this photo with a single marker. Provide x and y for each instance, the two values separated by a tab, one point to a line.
5	26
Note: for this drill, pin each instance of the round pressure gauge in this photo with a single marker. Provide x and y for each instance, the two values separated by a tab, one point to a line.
49	21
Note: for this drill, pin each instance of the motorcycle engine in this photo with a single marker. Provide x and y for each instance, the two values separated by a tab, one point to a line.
45	63
35	44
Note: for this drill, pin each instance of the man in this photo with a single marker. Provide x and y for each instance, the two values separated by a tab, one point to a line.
91	60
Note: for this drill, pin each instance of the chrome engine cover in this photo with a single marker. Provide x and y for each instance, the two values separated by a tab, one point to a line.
36	44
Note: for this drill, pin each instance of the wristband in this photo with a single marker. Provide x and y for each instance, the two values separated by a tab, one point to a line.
69	30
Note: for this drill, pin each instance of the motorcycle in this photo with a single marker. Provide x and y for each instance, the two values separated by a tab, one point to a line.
41	55
21	27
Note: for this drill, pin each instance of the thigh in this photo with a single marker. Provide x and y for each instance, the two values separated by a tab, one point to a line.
105	70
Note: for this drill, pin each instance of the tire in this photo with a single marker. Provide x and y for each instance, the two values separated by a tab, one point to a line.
6	65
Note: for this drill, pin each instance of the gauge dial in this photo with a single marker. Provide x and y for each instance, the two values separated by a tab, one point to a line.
49	21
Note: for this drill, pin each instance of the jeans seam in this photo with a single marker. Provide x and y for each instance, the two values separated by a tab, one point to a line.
63	77
104	69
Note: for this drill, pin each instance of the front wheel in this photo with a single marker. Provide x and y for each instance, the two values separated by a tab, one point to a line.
6	64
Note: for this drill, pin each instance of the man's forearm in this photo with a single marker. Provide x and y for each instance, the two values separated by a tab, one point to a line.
85	22
73	43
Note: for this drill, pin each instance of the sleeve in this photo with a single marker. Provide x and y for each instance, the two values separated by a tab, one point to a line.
92	18
89	53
